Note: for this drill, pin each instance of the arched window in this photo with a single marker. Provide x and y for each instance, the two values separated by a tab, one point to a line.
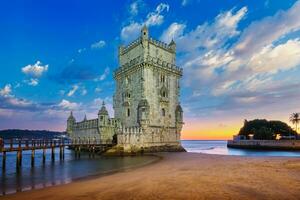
162	78
128	112
163	112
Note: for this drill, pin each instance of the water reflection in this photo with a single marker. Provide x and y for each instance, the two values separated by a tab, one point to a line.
58	171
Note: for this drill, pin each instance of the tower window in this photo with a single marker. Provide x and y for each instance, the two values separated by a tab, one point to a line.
162	78
127	95
163	112
144	33
128	112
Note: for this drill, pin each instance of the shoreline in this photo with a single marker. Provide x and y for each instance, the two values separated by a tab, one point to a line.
191	172
91	176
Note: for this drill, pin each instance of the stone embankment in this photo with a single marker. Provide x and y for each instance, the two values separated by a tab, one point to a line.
265	144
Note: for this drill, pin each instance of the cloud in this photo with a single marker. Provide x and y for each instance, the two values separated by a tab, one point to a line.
104	75
6	91
212	35
267	30
73	90
135	6
174	31
81	50
32	82
9	101
131	31
98	45
67	105
154	18
98	89
35	70
272	59
184	2
84	91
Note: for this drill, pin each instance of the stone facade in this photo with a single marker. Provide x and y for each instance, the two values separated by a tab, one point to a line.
103	128
146	100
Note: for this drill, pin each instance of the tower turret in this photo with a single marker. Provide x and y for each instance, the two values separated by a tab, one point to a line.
103	116
172	45
70	123
144	33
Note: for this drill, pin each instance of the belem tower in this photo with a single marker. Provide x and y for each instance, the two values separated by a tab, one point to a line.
148	114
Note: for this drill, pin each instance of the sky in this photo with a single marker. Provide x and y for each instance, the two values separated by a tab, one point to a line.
240	59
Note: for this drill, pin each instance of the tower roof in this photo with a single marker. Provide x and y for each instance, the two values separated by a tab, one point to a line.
103	110
172	42
145	27
71	117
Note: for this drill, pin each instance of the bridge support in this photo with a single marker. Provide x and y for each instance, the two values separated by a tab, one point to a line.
3	160
61	152
52	153
32	157
44	155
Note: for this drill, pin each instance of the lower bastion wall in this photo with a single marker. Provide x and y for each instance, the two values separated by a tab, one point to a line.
135	139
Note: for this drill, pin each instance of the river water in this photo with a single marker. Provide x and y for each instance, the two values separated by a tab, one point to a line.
220	147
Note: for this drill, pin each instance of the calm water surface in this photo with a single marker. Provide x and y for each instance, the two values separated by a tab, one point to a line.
59	172
220	147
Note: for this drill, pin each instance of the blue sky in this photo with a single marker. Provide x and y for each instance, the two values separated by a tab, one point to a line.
241	59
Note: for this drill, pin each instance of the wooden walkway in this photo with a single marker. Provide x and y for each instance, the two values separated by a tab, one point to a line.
19	145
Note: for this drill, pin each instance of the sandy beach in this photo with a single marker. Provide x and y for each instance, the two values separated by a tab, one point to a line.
187	176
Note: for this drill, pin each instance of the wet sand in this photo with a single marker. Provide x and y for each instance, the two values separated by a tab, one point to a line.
187	176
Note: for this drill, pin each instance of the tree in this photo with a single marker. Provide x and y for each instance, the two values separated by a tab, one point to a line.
262	129
264	133
295	119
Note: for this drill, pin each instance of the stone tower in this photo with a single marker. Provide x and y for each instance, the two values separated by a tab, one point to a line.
146	100
70	123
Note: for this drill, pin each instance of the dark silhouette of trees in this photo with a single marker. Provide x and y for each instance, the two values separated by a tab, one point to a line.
262	129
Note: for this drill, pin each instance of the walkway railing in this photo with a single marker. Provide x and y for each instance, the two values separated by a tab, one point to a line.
91	145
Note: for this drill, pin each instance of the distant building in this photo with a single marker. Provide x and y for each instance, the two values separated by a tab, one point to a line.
148	114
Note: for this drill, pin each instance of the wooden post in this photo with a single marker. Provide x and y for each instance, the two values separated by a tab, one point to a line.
89	149
20	152
64	148
79	150
53	150
32	157
60	150
27	144
3	160
44	154
11	144
93	151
